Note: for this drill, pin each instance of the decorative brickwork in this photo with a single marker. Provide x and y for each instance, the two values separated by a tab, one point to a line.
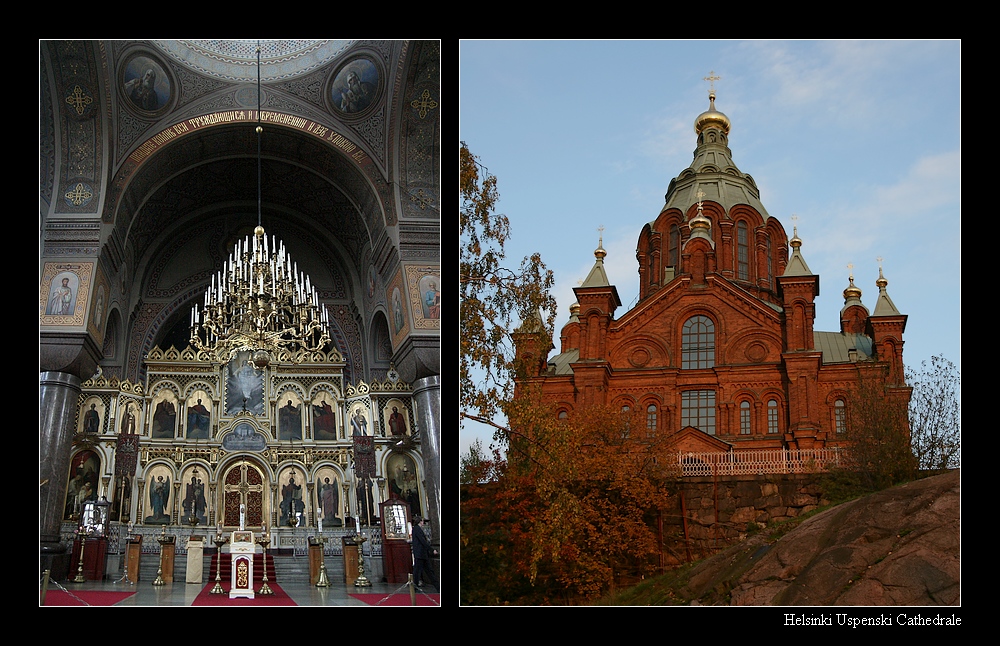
722	337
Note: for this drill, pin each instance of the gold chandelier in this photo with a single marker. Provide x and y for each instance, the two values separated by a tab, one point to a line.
259	302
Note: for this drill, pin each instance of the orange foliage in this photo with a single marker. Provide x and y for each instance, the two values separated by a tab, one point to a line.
575	508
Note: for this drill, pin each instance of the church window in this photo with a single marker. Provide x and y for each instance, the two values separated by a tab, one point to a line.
675	243
745	418
770	266
698	343
772	416
840	416
563	414
742	251
628	423
698	410
651	420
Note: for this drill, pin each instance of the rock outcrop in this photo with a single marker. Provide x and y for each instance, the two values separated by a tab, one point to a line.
897	547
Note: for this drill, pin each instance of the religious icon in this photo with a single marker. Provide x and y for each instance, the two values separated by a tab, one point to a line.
62	298
92	420
359	423
244	387
395	418
199	417
164	418
292	504
397	312
146	84
355	86
290	421
324	418
194	504
430	297
159	499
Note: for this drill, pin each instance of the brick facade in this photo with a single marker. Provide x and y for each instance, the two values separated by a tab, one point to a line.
722	337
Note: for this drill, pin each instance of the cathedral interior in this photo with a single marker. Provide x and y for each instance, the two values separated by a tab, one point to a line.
158	160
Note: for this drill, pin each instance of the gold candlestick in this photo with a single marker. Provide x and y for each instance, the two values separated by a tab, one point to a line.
79	570
323	581
265	540
362	581
162	539
219	541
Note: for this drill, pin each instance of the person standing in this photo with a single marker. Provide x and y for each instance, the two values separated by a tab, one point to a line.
422	552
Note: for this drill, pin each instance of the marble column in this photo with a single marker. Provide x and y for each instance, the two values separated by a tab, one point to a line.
58	404
427	406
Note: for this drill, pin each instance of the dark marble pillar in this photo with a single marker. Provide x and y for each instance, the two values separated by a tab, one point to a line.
57	413
427	407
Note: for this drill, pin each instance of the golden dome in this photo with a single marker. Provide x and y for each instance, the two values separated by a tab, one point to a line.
711	118
852	291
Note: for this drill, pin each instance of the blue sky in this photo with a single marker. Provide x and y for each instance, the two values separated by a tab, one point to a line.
858	139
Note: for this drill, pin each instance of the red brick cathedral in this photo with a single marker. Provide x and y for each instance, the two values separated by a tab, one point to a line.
719	351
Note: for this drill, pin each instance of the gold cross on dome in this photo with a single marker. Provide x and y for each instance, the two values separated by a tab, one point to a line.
879	259
712	78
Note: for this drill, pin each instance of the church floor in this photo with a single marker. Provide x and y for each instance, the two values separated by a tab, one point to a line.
183	594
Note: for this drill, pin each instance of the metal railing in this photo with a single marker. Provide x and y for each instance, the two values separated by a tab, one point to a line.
757	462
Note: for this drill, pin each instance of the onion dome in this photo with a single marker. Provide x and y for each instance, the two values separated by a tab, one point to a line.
852	292
711	118
881	282
598	277
796	263
600	253
884	306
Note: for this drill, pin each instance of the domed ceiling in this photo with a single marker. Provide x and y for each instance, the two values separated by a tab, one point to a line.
236	60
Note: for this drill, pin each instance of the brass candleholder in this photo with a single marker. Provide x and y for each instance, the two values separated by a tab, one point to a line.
162	539
362	581
219	541
323	581
79	569
265	540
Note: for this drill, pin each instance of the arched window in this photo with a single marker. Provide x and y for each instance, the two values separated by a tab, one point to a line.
698	343
674	245
742	252
745	418
840	416
651	420
626	409
772	416
563	415
698	410
770	266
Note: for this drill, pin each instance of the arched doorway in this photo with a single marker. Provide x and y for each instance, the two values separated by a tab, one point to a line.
244	482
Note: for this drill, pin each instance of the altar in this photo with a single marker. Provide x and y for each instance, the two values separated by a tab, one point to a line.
241	550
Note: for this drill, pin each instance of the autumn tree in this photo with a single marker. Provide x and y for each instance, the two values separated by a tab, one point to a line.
493	296
936	414
573	514
877	428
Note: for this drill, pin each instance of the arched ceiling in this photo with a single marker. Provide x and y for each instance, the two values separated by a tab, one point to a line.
346	183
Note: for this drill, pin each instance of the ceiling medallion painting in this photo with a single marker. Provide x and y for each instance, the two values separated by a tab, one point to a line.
145	84
356	87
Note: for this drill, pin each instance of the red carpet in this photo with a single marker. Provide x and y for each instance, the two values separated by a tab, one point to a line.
84	598
398	599
206	598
